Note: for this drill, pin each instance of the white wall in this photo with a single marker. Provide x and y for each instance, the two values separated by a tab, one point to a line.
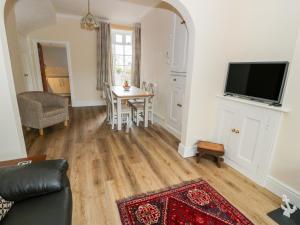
14	48
83	57
11	137
156	30
286	161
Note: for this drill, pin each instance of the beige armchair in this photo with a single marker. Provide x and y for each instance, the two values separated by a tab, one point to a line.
41	109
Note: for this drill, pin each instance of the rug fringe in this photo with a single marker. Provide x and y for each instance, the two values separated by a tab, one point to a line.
182	184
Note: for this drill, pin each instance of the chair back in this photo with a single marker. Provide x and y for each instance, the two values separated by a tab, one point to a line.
109	95
151	89
144	85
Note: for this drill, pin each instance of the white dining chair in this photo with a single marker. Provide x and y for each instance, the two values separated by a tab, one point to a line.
125	114
138	108
138	100
108	104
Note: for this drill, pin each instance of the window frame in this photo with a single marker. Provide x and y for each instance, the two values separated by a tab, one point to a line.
125	67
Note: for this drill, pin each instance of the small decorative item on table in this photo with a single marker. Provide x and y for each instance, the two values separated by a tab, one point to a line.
126	86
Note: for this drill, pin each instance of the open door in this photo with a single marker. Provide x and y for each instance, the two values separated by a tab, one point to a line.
42	67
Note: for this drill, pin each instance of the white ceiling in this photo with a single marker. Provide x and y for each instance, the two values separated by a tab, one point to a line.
34	14
123	11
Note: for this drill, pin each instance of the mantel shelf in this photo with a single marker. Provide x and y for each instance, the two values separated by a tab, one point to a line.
255	103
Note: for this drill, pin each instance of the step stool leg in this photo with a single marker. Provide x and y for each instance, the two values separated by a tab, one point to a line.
219	160
199	156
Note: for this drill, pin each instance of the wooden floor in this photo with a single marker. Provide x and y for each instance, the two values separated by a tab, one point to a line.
107	165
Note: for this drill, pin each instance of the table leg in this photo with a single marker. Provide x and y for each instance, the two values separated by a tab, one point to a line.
146	113
119	110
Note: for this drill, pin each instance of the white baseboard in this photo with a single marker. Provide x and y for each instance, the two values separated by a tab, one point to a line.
87	103
187	151
279	188
162	122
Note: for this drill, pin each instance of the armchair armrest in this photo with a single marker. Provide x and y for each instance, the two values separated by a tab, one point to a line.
30	109
56	100
23	182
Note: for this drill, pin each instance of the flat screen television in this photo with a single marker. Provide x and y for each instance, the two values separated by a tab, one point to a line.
261	81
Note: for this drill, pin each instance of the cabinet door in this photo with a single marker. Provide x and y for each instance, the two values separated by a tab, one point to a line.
180	46
251	126
224	134
176	104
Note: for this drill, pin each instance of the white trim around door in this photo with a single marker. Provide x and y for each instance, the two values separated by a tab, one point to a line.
38	78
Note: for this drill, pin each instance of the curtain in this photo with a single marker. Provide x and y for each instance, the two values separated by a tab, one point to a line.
136	66
104	56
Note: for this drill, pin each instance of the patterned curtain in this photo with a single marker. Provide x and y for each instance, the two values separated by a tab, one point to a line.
136	70
104	56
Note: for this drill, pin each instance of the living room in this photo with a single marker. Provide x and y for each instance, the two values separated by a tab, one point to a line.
219	33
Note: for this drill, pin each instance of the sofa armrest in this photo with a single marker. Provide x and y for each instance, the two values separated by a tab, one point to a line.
36	179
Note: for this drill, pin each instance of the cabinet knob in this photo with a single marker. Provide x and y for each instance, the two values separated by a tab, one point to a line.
233	130
179	105
174	79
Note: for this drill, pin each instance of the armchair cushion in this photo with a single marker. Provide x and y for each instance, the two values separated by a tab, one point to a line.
32	180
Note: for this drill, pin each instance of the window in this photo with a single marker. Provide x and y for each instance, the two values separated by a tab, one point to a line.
122	55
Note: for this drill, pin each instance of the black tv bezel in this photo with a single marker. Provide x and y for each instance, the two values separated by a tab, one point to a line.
264	100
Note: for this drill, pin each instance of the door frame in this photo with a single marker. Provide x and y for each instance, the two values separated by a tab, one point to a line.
38	75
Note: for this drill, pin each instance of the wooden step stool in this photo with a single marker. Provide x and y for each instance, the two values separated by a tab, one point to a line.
213	149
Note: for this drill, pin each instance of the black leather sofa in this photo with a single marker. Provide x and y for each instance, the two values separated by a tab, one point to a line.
41	193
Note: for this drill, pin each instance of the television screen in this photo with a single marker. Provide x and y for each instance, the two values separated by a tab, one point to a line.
260	81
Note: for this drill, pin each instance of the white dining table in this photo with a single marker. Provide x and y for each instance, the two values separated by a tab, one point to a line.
133	93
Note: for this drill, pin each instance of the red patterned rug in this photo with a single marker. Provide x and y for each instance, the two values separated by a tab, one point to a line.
191	203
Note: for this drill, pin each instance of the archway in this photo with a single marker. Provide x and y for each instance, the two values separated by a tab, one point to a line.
11	133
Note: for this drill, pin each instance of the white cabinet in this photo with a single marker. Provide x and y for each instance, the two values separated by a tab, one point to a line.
178	69
249	132
176	104
179	45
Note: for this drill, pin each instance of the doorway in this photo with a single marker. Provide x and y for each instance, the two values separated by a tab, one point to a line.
53	62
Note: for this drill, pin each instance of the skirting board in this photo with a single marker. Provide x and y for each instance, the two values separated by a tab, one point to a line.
187	151
161	121
279	188
80	103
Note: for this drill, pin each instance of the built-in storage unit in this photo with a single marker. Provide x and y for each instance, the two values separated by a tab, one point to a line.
179	45
249	131
178	69
176	103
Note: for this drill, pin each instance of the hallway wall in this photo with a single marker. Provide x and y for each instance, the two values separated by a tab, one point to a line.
83	57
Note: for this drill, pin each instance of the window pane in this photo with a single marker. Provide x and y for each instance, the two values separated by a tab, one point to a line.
119	49
122	56
119	70
119	60
128	50
119	38
128	39
128	60
127	73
